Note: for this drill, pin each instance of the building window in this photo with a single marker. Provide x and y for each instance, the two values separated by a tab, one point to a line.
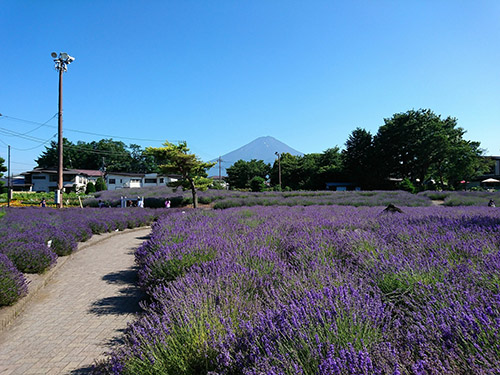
150	180
112	181
35	177
161	180
53	178
121	181
135	180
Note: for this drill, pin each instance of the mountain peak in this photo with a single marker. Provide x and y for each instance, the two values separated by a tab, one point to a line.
262	148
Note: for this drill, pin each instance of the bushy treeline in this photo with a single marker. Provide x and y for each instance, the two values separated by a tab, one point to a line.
112	155
415	151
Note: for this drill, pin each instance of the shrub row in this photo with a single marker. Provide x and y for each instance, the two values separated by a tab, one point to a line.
31	239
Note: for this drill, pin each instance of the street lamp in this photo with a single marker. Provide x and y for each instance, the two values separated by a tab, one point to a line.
61	65
279	167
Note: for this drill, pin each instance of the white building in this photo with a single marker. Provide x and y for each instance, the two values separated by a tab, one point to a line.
45	179
120	180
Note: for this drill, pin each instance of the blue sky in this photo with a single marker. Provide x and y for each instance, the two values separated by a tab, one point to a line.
219	74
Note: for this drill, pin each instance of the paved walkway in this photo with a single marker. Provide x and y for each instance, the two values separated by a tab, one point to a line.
79	315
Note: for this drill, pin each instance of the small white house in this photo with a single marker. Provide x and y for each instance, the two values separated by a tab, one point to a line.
45	179
121	180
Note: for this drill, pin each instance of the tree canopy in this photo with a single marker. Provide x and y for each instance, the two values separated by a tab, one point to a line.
242	172
176	159
3	168
307	172
358	157
421	146
106	154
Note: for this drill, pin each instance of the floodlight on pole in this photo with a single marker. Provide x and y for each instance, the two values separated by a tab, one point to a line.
61	64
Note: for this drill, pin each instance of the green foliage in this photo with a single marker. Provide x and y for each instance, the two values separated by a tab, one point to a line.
217	185
113	155
2	169
307	172
100	184
358	159
242	172
257	184
407	185
176	159
90	188
171	269
420	145
184	351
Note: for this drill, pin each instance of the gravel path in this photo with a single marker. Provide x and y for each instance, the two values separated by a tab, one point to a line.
80	314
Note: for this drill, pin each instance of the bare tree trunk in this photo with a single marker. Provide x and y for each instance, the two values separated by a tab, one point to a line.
195	196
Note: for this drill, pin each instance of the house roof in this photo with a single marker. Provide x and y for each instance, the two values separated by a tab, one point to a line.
91	172
125	174
52	171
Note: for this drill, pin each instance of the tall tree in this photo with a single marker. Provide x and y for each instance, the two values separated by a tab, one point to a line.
417	145
50	157
176	159
242	172
357	157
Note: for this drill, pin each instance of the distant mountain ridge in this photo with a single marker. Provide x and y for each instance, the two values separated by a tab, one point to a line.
262	148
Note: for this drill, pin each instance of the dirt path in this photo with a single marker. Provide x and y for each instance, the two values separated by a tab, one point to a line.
79	314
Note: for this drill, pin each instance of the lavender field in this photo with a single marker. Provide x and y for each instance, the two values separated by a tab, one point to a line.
318	290
31	239
463	198
221	199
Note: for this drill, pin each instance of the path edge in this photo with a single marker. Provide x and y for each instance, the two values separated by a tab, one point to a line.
37	281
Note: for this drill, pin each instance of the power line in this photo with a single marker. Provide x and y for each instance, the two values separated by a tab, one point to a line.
12	133
81	131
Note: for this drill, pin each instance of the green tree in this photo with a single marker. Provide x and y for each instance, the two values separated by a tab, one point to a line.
50	157
241	172
100	184
2	169
176	159
115	156
90	188
357	158
257	184
141	161
330	168
420	145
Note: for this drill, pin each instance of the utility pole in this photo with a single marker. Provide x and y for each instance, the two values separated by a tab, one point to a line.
8	177
279	167
220	169
62	62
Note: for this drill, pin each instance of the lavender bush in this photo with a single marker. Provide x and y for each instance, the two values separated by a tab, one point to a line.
318	290
12	282
32	238
463	198
30	258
